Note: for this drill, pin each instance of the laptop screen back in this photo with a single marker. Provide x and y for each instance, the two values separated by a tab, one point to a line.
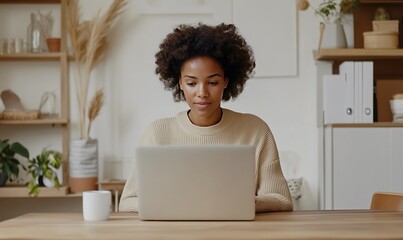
202	182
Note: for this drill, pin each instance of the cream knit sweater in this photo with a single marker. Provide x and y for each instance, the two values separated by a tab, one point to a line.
272	193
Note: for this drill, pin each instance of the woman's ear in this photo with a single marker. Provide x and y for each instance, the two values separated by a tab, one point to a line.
180	84
226	82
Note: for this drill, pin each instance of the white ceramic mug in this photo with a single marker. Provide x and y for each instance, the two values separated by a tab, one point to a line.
96	205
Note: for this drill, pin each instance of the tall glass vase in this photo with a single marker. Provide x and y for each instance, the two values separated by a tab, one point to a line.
83	165
35	35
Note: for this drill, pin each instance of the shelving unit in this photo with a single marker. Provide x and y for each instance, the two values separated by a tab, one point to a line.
367	125
63	120
55	56
358	54
21	191
361	54
361	158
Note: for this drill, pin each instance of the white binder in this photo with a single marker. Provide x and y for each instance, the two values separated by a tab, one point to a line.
348	97
338	102
368	92
347	72
357	90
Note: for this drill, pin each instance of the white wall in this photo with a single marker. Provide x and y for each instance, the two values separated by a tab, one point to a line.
135	96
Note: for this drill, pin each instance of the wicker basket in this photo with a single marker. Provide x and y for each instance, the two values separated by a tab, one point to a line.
21	115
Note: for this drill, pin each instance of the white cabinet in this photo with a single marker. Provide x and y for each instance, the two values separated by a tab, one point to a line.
360	161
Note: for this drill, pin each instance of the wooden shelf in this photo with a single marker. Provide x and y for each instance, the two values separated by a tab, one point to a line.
380	1
41	121
113	184
29	1
366	125
358	54
54	56
21	191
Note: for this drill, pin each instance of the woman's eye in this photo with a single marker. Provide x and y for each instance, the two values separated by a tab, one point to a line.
213	83
191	84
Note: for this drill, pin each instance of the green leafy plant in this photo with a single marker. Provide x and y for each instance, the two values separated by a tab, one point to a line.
331	11
9	164
43	169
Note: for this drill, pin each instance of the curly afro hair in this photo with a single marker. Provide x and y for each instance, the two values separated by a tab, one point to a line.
222	43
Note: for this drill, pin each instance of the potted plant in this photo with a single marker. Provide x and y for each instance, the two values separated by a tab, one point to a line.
89	42
44	171
331	14
331	11
9	164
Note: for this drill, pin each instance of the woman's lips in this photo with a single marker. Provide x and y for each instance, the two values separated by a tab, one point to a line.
202	105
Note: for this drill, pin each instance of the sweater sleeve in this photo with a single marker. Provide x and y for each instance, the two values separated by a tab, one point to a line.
272	192
128	200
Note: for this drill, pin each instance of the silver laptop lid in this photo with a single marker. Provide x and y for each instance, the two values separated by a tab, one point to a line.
202	182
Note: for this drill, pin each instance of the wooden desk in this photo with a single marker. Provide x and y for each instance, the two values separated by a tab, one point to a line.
289	225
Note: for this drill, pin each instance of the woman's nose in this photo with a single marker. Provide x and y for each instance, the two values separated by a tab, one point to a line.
202	91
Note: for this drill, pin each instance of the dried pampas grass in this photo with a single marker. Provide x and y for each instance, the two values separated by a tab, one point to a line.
89	44
96	104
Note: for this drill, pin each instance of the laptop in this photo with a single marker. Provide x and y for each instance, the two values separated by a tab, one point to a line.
195	182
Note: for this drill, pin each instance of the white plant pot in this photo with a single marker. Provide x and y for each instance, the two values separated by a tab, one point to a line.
83	165
332	36
84	158
42	181
348	25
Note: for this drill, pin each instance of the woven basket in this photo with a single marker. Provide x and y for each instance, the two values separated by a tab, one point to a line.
21	115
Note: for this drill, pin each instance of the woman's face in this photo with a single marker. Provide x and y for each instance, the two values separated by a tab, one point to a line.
203	82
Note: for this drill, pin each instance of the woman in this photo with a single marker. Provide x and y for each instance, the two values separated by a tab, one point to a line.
204	65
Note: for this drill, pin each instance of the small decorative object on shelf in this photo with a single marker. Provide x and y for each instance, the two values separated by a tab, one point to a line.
53	44
381	14
331	13
9	164
48	105
3	46
396	105
35	35
381	40
39	30
44	169
385	32
14	109
389	25
46	22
